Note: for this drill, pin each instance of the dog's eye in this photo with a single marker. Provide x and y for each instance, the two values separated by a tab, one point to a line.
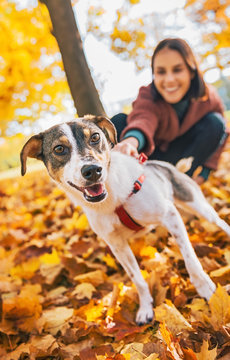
60	150
95	138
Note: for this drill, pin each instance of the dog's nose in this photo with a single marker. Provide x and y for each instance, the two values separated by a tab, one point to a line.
91	172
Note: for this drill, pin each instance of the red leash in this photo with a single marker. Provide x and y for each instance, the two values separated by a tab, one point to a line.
124	217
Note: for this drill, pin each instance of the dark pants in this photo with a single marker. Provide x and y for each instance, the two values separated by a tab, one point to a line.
200	141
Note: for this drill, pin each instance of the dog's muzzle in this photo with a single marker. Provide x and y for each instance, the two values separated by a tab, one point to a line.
95	192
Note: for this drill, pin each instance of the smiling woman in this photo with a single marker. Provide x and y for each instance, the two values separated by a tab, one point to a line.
172	77
177	115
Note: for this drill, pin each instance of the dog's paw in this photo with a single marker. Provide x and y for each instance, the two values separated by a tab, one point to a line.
145	315
205	286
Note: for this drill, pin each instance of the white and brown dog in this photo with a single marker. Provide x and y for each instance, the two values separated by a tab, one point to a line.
79	159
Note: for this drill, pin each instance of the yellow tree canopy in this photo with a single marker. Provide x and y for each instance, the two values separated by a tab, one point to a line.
134	32
32	79
213	16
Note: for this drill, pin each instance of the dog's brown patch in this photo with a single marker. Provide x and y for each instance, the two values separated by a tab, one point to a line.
86	132
55	173
64	140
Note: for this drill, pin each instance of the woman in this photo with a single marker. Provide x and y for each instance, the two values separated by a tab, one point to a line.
177	115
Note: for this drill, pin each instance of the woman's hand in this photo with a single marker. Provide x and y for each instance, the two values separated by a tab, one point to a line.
128	147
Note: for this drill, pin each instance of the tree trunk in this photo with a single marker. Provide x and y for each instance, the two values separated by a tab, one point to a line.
82	87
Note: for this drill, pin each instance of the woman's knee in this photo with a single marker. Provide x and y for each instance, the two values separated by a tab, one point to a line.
121	117
214	125
120	122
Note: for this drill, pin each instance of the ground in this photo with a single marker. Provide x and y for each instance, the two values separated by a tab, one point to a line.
64	296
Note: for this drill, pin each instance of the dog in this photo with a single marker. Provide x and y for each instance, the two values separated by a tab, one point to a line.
112	187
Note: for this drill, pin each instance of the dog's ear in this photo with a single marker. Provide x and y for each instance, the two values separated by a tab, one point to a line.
108	128
33	149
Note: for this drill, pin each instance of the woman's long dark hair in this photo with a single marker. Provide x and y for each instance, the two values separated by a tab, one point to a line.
198	87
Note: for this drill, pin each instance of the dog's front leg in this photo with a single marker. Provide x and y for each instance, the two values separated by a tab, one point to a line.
121	250
202	282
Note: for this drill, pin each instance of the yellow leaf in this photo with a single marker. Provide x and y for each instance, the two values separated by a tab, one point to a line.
148	251
168	339
96	277
94	313
199	309
134	350
222	273
26	270
82	223
57	192
172	318
134	1
219	193
110	261
206	354
144	273
90	312
166	335
84	290
127	356
50	259
153	356
220	308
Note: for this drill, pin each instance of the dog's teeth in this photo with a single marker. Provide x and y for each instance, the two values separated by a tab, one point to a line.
87	193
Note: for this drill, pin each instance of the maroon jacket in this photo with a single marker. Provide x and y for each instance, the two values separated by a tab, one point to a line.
158	121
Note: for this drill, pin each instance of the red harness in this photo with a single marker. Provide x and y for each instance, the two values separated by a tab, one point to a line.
124	217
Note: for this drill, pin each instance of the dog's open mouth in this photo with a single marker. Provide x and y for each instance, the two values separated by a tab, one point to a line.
93	193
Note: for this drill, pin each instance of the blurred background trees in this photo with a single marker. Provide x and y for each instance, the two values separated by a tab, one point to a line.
34	92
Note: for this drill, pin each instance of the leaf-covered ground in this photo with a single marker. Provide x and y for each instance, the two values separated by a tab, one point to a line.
64	296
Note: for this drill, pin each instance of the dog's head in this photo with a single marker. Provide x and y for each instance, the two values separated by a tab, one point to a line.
76	154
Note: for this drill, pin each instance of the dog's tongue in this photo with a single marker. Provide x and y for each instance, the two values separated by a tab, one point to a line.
95	190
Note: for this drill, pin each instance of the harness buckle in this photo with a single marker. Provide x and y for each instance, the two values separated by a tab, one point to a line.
142	158
138	184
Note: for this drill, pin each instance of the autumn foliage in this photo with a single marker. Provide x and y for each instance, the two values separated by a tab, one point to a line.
32	80
64	296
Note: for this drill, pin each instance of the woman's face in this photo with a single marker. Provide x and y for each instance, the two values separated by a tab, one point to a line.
172	77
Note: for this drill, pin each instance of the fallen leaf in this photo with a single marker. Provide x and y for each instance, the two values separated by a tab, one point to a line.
95	277
148	251
173	319
84	290
219	305
15	355
82	223
110	261
50	259
222	274
189	354
134	350
206	354
172	347
55	319
91	311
